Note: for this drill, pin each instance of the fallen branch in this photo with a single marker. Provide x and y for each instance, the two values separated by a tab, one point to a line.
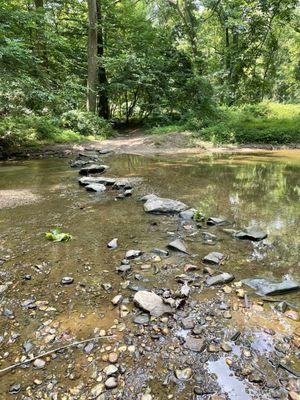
29	360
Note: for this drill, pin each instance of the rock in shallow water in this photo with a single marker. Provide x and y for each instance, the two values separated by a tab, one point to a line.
194	344
251	234
214	258
87	180
151	302
95	187
158	205
219	279
67	280
266	288
178	245
93	169
216	221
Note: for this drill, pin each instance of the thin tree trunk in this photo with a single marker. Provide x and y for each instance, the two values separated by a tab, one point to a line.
103	108
92	57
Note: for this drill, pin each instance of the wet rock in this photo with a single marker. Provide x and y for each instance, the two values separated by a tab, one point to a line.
39	363
209	237
142	319
195	344
183	374
185	290
111	383
79	163
93	169
113	244
95	187
89	348
131	254
212	348
87	180
214	258
15	388
216	221
266	288
188	214
178	245
128	192
27	277
219	279
117	300
255	377
158	205
127	183
226	347
281	307
67	280
151	302
251	234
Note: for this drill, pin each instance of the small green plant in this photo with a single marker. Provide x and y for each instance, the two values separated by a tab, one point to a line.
198	216
56	235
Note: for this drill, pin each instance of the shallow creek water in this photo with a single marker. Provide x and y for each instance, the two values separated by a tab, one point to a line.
261	190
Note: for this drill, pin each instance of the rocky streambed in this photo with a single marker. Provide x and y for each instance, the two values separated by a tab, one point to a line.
179	278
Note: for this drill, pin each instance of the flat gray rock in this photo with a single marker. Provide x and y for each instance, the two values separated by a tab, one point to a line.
214	258
219	279
188	214
127	183
151	302
266	288
178	245
95	187
87	180
251	234
158	205
93	169
216	221
195	344
130	254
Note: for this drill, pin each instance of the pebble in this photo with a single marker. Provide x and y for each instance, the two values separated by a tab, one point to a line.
15	388
212	348
110	370
226	347
183	374
39	363
113	357
111	383
97	390
67	280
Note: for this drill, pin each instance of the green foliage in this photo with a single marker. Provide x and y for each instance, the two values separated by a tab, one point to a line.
56	235
198	216
86	123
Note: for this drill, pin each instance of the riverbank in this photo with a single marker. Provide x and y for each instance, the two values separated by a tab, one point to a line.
139	143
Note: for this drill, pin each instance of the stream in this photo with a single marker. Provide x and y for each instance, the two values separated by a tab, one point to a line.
250	342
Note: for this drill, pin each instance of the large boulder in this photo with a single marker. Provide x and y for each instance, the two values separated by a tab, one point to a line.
159	205
151	302
267	288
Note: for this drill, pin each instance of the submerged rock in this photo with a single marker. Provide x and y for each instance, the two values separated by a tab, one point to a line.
214	258
219	279
158	205
178	245
251	234
151	302
93	169
96	187
266	288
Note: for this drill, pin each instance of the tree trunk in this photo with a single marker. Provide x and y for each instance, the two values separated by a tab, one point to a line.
92	57
103	108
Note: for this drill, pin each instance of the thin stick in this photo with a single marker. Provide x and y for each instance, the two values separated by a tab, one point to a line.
29	360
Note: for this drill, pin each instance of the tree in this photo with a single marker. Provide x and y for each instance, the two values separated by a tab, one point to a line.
92	78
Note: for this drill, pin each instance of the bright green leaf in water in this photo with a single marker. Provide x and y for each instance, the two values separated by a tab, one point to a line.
56	235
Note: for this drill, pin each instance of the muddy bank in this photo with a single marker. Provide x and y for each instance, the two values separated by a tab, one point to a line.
204	341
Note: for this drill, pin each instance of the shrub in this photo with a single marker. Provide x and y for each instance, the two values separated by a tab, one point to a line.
86	123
